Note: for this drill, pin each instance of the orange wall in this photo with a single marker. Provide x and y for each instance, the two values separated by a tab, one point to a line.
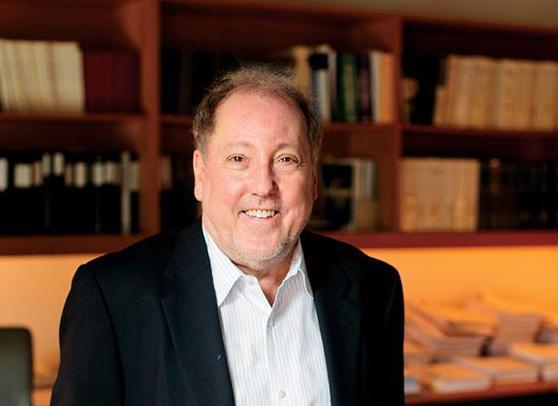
33	289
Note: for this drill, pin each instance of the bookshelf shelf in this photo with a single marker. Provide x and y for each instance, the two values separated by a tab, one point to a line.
69	118
65	244
498	392
410	130
454	239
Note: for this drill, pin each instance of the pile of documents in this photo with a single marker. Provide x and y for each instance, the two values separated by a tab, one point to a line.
446	331
549	329
544	356
502	370
514	321
450	378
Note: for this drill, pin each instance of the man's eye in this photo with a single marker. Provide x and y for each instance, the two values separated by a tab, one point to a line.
236	158
288	159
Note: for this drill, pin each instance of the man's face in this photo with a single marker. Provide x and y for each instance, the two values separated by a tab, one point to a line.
255	178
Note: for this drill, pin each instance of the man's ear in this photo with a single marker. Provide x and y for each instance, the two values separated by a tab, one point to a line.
199	174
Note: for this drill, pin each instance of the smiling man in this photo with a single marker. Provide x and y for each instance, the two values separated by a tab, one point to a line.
242	307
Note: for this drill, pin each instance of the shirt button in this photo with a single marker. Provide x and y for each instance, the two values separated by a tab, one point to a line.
282	394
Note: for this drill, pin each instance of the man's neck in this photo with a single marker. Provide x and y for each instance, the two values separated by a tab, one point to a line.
270	275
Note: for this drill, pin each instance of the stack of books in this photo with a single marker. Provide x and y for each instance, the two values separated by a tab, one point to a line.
416	359
514	321
60	77
439	194
449	377
446	331
475	91
348	195
502	370
549	329
545	356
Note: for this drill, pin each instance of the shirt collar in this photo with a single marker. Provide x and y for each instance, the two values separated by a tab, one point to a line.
225	273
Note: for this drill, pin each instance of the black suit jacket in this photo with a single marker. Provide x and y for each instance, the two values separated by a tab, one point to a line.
141	326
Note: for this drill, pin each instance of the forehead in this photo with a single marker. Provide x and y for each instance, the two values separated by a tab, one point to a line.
247	113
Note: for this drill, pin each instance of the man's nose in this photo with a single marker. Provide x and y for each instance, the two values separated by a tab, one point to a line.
264	182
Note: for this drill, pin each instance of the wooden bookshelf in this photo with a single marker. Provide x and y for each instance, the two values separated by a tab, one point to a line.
251	29
365	239
65	244
495	393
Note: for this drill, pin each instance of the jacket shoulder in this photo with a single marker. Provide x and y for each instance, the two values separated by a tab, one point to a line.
351	258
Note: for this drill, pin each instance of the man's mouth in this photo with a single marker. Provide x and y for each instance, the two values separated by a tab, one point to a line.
260	214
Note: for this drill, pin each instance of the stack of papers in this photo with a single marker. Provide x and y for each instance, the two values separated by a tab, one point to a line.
549	329
450	378
445	331
415	353
412	385
545	356
502	370
514	321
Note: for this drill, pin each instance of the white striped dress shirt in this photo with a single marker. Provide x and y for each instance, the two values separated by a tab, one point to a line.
274	352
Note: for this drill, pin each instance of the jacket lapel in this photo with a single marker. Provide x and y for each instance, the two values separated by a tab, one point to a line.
336	298
190	308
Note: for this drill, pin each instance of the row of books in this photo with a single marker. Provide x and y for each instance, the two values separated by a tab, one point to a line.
346	87
60	77
348	197
438	194
63	192
482	92
447	194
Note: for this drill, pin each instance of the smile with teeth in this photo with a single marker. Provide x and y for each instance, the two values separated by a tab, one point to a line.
261	214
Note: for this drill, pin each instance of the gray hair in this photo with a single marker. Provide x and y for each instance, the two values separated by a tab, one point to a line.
261	79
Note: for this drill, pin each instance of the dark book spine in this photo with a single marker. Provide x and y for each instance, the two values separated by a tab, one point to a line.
364	87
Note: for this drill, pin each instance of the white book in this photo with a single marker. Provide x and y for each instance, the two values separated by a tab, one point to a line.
17	100
68	76
536	353
507	93
545	96
503	370
44	92
408	194
27	76
451	378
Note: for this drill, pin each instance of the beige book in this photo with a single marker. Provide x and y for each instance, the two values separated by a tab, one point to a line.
462	99
472	175
440	106
524	97
545	96
445	209
452	85
387	88
15	79
26	67
460	217
536	353
6	97
451	378
408	194
503	370
67	66
507	93
44	91
483	89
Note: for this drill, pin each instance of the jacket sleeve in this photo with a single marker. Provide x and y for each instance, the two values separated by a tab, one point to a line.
90	371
